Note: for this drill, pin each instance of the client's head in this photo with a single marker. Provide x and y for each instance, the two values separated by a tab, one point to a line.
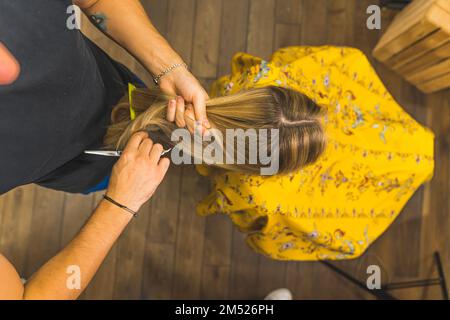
301	137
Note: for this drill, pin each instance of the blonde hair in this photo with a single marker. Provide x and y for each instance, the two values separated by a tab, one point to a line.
301	135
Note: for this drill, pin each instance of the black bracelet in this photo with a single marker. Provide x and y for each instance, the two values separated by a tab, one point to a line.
121	206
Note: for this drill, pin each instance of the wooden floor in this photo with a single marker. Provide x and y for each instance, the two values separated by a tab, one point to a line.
169	252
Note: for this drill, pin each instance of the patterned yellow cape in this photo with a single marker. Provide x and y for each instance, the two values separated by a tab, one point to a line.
377	156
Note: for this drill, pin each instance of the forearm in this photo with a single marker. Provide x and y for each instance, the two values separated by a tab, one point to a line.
126	22
86	251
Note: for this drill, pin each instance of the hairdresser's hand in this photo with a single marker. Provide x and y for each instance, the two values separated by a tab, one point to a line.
183	115
138	172
181	82
9	67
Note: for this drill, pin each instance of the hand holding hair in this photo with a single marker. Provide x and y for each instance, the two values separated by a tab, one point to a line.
297	118
180	81
183	115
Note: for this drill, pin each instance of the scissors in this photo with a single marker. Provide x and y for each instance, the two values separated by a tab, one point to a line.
117	153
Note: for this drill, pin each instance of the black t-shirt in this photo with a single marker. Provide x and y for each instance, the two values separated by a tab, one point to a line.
61	103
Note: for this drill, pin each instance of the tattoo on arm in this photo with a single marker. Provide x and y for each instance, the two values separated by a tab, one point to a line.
99	19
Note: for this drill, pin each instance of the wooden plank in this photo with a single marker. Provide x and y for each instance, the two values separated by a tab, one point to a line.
207	83
382	247
190	236
350	17
289	11
444	235
407	227
207	38
218	241
312	280
363	38
17	213
440	18
408	17
233	35
436	220
158	271
425	60
271	276
299	279
180	28
422	47
407	38
428	23
102	285
157	10
408	223
77	209
339	24
436	84
45	228
261	28
161	237
130	257
406	231
430	73
400	264
338	286
244	275
314	31
444	4
216	257
286	35
215	281
164	209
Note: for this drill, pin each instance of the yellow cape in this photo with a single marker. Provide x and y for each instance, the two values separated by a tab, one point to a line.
377	156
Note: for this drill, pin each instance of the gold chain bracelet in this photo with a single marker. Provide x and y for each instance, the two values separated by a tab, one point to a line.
166	71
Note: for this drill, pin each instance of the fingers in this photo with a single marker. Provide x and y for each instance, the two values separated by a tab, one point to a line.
145	147
199	102
189	118
171	110
135	141
179	116
155	153
184	116
163	166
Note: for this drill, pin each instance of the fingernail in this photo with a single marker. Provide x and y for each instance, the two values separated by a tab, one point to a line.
206	123
172	102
